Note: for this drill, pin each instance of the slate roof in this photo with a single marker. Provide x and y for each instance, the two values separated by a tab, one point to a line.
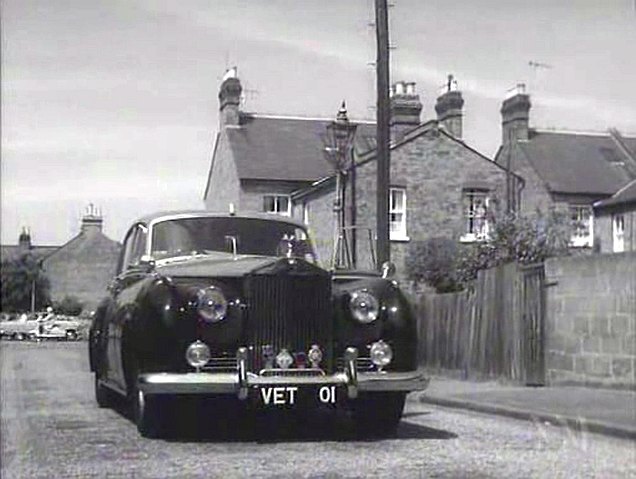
286	148
578	163
624	196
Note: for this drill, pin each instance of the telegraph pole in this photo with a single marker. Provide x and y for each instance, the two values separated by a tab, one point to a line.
382	133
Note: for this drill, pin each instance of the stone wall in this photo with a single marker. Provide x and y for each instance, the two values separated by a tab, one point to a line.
591	320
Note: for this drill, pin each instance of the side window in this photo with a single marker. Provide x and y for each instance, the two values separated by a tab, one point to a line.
127	251
139	244
134	248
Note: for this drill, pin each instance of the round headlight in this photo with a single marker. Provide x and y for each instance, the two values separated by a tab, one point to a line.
381	354
364	306
211	304
197	354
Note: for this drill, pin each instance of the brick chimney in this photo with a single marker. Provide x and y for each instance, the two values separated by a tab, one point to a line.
91	221
405	108
230	98
515	115
24	240
449	108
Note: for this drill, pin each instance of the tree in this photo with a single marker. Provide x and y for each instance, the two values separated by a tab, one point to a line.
70	306
19	277
434	261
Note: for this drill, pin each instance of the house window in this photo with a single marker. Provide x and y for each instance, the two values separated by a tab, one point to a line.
582	226
397	214
475	215
277	204
618	233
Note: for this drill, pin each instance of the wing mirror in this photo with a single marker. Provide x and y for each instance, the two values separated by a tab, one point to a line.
388	270
147	263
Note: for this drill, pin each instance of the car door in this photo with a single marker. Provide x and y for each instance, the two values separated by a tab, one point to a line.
123	304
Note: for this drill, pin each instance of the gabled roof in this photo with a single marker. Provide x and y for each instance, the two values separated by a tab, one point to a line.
626	195
579	163
286	148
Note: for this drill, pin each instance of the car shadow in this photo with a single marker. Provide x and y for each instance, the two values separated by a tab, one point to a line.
214	420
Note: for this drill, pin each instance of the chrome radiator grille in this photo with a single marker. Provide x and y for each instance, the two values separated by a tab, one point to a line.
289	310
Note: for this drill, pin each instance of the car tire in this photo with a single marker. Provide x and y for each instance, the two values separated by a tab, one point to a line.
378	414
103	396
71	335
19	336
146	413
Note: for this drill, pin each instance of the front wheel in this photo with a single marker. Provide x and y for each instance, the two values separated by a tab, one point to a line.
103	396
378	413
146	413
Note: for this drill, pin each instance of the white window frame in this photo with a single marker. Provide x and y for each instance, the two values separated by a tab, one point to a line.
476	224
397	214
277	210
618	233
582	217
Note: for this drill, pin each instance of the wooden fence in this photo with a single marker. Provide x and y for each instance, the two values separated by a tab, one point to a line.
493	329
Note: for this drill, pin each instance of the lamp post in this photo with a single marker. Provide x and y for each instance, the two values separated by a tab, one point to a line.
339	139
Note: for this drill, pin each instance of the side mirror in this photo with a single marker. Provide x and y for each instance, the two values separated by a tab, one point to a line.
147	262
388	270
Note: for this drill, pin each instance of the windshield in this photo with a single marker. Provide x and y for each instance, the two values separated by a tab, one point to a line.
189	236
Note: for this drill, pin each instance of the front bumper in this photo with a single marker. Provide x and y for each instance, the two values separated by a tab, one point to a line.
241	381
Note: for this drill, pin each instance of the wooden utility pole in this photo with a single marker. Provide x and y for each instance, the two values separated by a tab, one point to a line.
383	133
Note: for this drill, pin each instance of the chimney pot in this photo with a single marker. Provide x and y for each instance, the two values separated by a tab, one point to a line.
405	108
449	108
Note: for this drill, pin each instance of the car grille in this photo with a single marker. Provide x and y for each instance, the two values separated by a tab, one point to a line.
362	364
289	309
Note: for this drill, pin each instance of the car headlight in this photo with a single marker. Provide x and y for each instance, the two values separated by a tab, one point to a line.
364	307
211	304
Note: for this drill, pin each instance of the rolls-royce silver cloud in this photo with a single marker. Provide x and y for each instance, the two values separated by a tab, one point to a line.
236	305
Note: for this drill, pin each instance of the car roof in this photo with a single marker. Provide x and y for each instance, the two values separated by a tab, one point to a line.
179	214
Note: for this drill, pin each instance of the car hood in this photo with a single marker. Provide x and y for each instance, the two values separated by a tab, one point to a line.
226	265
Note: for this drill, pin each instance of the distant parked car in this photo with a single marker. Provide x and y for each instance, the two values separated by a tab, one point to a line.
59	329
236	305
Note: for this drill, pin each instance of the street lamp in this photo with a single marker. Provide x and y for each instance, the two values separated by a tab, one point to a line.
339	143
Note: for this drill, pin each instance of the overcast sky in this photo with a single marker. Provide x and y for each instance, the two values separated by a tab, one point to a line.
115	102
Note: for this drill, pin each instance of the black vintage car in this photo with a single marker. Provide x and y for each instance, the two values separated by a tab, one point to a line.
221	304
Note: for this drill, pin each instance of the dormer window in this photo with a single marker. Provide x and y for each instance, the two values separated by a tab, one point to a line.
581	217
277	204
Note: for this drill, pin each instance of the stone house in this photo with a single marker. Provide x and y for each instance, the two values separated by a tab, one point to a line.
440	186
82	267
565	170
615	220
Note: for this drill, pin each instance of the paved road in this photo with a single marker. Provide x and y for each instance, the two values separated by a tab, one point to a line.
52	428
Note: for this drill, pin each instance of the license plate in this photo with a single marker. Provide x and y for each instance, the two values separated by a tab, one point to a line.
289	395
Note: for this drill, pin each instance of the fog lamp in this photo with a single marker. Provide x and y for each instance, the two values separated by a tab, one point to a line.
315	356
284	359
381	354
197	354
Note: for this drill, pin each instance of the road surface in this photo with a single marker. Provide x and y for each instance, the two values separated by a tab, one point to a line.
51	427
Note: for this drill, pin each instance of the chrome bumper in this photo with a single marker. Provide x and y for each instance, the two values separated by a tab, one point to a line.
241	381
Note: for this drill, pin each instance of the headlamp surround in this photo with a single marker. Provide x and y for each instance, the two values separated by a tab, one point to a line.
364	306
211	304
